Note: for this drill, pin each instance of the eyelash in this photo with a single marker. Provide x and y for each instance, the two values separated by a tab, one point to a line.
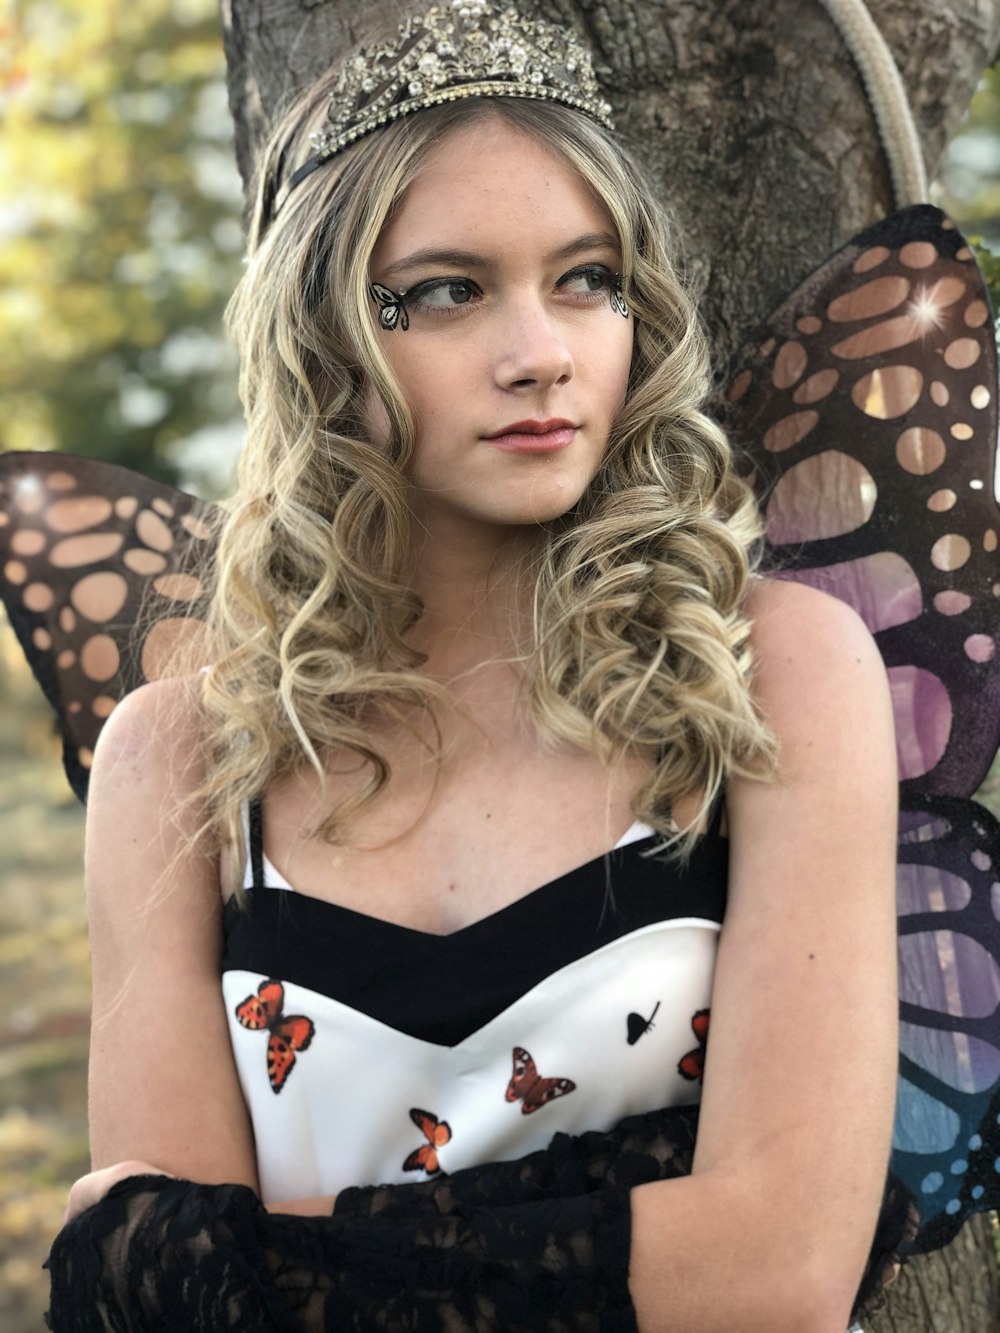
411	298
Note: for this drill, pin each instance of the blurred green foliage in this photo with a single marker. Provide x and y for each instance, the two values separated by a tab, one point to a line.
968	186
120	233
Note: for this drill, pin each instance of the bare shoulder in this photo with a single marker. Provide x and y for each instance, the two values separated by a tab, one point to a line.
153	739
813	654
142	818
795	623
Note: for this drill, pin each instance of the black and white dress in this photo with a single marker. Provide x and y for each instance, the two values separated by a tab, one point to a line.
373	1053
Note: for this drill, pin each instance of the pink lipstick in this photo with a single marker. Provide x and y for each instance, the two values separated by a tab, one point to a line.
533	437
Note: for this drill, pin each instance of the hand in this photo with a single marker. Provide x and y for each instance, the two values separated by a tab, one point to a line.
91	1189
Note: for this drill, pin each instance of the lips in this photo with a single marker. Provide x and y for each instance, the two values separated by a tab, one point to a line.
533	437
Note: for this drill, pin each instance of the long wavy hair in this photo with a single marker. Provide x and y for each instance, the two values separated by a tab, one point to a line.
638	640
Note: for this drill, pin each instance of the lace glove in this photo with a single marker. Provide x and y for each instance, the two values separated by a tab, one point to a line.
159	1254
538	1243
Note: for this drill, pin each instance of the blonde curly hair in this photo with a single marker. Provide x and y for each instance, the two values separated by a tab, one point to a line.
638	639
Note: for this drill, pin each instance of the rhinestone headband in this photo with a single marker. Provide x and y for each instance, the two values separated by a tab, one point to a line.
468	48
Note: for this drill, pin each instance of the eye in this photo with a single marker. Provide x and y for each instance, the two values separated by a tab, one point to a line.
588	280
442	295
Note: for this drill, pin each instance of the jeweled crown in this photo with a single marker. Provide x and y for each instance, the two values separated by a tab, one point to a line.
468	48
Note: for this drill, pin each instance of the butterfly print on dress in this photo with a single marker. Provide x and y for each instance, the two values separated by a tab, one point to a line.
692	1065
637	1026
437	1133
527	1087
286	1035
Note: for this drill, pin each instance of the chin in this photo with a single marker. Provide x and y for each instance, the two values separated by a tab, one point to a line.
546	500
539	510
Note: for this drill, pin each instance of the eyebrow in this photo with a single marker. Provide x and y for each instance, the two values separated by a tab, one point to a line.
593	240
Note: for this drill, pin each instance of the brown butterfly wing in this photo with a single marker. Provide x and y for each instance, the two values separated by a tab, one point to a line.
523	1076
297	1030
435	1131
280	1060
103	578
527	1087
868	404
543	1091
692	1065
251	1014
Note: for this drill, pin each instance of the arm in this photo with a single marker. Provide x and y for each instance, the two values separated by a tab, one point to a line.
163	1084
799	1085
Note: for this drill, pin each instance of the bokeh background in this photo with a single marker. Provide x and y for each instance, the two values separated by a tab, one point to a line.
120	240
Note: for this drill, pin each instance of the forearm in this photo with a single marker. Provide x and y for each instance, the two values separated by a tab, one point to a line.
111	1246
708	1256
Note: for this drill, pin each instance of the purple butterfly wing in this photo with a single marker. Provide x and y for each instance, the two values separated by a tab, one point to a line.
102	579
870	401
868	409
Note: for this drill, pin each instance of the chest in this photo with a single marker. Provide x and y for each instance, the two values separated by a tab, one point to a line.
443	846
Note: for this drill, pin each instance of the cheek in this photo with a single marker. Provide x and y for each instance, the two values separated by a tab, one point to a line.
376	418
615	366
426	382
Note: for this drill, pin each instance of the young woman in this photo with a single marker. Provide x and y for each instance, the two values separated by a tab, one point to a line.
484	611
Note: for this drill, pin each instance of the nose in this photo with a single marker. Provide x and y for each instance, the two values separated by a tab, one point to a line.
533	352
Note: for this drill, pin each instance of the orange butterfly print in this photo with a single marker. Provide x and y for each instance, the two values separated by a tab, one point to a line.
527	1087
437	1133
692	1065
287	1035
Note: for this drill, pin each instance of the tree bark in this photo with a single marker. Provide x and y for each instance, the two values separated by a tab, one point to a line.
749	114
955	1290
753	122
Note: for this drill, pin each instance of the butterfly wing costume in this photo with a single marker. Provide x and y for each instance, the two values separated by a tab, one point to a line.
867	408
869	405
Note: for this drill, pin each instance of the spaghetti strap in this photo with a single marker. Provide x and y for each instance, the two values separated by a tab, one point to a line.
256	840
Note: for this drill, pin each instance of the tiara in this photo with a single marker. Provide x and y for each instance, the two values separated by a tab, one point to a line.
468	48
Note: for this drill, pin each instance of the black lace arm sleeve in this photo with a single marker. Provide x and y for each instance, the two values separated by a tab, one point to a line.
539	1244
161	1254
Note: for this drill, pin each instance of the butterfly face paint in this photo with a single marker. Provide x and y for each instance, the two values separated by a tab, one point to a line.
391	307
392	313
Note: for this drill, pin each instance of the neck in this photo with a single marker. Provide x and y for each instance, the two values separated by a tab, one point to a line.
477	602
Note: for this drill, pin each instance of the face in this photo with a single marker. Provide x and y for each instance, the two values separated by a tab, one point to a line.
515	361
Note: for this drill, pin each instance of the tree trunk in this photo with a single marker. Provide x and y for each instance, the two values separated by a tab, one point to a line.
751	117
955	1290
749	113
